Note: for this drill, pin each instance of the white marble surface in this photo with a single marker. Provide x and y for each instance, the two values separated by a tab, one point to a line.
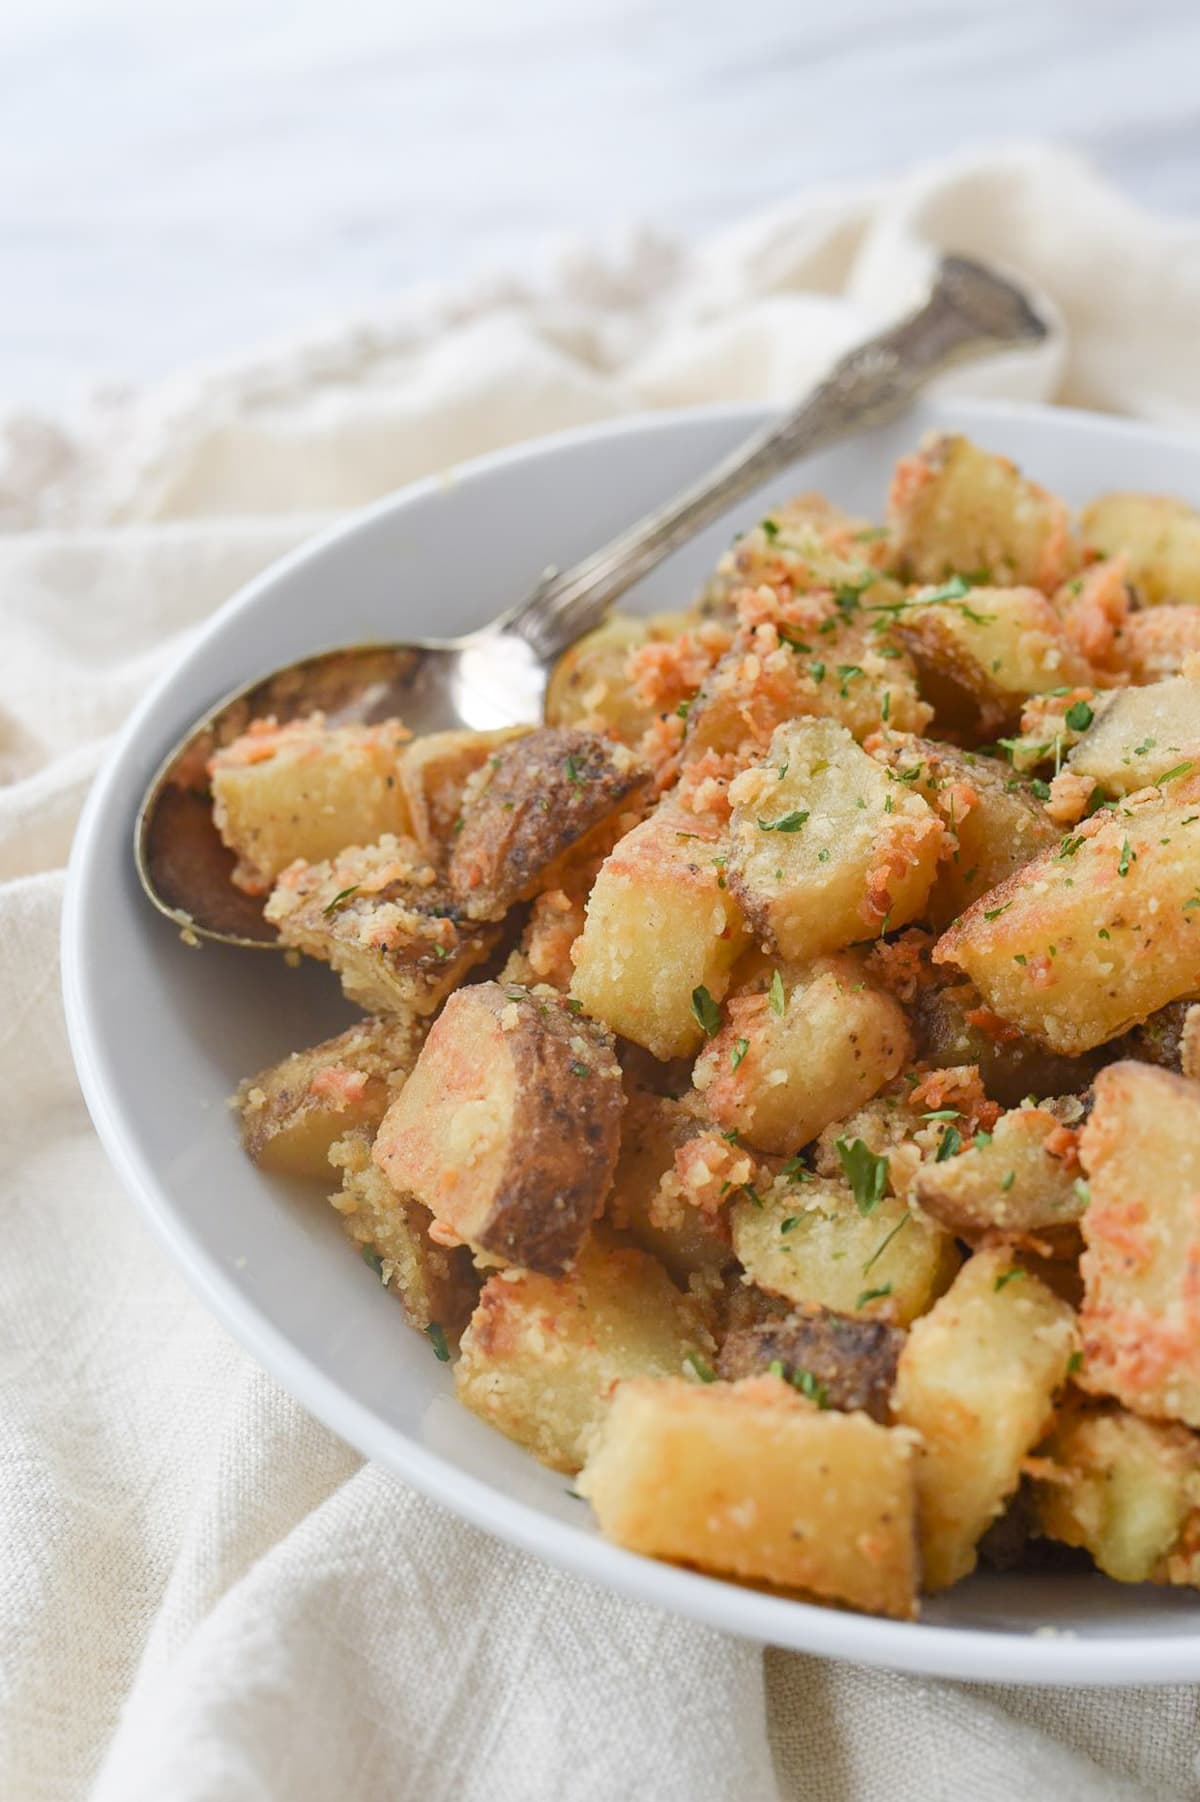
182	178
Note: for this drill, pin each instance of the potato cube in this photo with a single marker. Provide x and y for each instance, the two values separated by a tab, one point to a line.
436	1285
688	1241
292	1113
976	1380
994	821
954	508
509	1126
786	1062
379	916
826	846
660	926
543	1355
537	800
811	1243
1142	736
305	790
591	681
841	1361
981	651
1141	1267
1093	936
1159	537
434	772
750	1480
1011	1182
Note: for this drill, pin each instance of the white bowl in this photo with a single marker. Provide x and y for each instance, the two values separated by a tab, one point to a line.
162	1034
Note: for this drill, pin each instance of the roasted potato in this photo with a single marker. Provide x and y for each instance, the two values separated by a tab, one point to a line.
688	1241
590	681
661	927
543	1355
1019	1181
292	1113
379	916
993	819
434	773
436	1285
826	846
1094	936
305	790
953	1027
792	1058
812	1243
1158	642
537	799
1140	1150
843	1362
1159	537
980	652
753	1481
1126	1490
1144	736
509	1126
976	1379
955	509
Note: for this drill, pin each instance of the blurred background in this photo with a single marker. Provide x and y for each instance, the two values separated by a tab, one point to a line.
184	180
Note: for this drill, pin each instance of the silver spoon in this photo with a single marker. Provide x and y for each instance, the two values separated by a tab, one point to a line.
498	675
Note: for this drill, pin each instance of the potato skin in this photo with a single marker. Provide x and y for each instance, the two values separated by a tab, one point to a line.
660	924
988	652
293	1112
536	799
508	1128
1141	1326
543	1355
692	1243
1093	936
778	1079
1140	736
950	1021
976	1380
854	1361
751	1480
436	1285
434	772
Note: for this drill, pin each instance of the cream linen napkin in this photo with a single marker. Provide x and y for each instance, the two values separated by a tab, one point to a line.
203	1594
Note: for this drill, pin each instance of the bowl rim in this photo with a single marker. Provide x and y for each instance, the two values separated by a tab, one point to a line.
979	1653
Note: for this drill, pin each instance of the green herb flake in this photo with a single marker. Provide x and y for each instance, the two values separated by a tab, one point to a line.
1180	769
1082	1191
372	1258
1007	1180
573	773
1079	717
340	900
948	1144
790	1224
953	590
822	856
1074	1363
1039	789
867	1295
808	1385
683	709
778	998
580	1070
791	822
817	671
1128	856
866	1173
738	1053
993	913
707	1013
1006	1277
884	1243
703	1372
770	529
437	1338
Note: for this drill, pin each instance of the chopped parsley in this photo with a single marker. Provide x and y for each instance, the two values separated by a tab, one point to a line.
866	1173
706	1011
948	1144
573	774
777	997
738	1053
1128	856
437	1338
580	1070
371	1257
1079	717
1006	1277
884	1243
341	899
791	822
1074	1363
1082	1191
1039	789
703	1372
993	913
770	528
1181	769
867	1295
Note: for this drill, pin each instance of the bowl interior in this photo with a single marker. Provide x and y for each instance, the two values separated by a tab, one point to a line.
162	1034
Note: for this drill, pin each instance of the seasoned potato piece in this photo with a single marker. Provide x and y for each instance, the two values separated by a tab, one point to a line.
1092	937
292	1113
590	681
826	846
1012	1182
804	545
844	1363
1140	737
379	916
542	1355
305	790
1158	642
987	649
953	507
436	1285
994	821
1141	1327
845	669
509	1126
1159	537
1126	1490
532	803
660	926
788	1061
752	1481
954	1027
688	1241
976	1379
810	1243
434	772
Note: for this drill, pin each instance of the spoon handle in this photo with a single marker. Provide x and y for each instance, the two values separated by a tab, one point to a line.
970	310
